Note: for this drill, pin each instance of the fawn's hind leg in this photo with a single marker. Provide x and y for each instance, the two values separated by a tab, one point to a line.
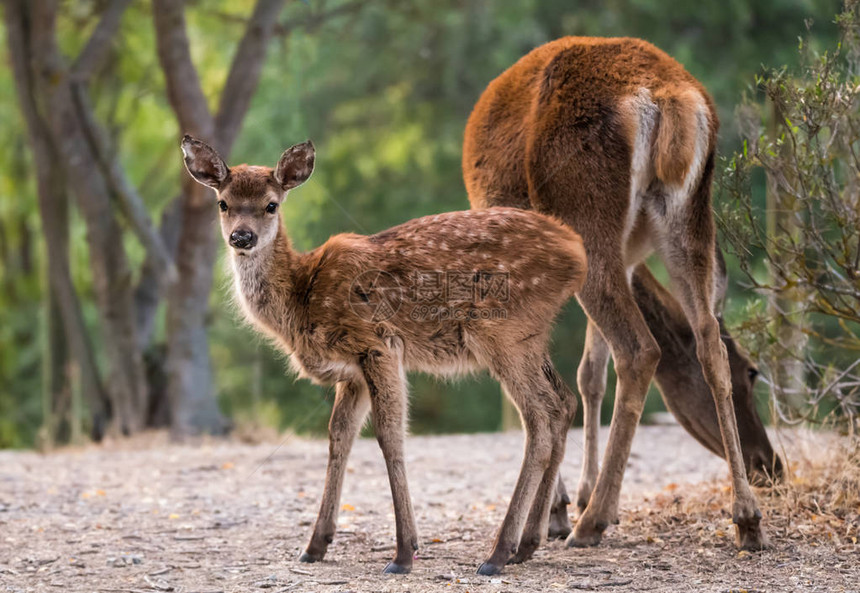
559	521
540	408
538	520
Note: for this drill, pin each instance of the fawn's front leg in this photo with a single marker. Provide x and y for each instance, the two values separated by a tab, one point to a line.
383	372
351	403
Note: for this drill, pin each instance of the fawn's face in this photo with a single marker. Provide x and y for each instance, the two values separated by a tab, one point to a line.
248	197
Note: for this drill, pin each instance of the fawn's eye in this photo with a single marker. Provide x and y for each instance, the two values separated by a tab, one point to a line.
271	207
752	373
222	205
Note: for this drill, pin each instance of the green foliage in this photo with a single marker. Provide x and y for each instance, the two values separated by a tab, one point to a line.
806	260
384	91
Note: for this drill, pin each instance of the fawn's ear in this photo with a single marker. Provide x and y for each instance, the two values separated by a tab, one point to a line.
203	162
295	165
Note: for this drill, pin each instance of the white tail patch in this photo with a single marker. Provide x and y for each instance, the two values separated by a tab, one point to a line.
700	150
647	127
642	117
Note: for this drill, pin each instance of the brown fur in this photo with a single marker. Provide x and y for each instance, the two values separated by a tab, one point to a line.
321	308
616	139
583	81
675	142
686	394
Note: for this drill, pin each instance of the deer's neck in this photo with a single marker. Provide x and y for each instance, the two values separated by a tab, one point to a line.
264	281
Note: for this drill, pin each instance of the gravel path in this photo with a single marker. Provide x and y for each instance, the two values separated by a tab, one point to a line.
226	516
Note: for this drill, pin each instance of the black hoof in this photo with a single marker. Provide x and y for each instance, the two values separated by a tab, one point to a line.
558	532
525	551
488	570
309	558
394	568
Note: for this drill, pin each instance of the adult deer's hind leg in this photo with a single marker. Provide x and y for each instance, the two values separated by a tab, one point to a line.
690	263
591	378
597	201
609	303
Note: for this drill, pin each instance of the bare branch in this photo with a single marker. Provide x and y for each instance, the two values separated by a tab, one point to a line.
96	49
245	71
309	22
183	84
130	202
315	20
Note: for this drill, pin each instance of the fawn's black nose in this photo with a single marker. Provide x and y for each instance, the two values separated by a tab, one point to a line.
243	239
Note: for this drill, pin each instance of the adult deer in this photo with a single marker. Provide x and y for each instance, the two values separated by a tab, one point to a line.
685	393
354	313
616	139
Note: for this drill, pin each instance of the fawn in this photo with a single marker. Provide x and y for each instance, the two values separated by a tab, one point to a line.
354	312
618	141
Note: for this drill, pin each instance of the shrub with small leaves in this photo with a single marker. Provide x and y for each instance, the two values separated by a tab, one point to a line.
800	252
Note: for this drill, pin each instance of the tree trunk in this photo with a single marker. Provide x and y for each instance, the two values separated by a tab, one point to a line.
190	391
151	286
150	291
53	210
55	361
787	374
51	92
189	384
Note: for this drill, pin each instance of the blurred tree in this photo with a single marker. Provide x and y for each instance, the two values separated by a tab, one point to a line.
811	246
52	96
382	87
71	150
189	375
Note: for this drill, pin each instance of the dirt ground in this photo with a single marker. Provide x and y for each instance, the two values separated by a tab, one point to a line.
226	516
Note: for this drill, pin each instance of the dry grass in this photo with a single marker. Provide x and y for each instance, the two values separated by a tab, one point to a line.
816	503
